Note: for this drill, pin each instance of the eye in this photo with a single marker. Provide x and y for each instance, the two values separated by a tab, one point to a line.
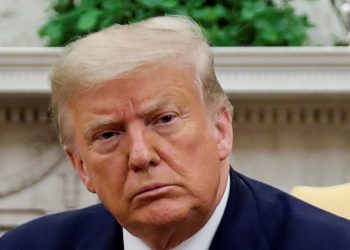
166	118
106	135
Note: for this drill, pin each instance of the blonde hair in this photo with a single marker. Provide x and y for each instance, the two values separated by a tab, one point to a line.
121	50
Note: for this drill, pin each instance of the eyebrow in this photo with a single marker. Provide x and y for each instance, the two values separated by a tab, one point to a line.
105	122
90	127
153	107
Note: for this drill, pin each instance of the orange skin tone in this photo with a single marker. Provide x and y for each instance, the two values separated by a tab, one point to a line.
154	153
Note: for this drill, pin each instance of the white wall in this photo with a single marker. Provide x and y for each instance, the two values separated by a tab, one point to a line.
327	24
20	20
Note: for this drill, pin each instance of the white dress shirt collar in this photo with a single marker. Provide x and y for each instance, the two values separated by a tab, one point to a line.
200	240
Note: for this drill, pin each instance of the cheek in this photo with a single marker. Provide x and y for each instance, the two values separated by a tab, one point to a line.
198	140
193	153
107	173
111	182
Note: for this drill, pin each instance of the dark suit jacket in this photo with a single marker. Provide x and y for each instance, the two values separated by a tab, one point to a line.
257	217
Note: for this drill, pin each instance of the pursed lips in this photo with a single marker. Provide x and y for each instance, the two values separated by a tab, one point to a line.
148	189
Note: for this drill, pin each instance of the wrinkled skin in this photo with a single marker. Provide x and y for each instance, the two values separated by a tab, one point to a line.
156	156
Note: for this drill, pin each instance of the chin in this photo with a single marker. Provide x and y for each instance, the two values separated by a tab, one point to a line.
164	213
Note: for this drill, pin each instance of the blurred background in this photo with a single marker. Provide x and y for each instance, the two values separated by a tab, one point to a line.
284	64
21	20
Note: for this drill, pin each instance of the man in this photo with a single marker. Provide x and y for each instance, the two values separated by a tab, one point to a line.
147	127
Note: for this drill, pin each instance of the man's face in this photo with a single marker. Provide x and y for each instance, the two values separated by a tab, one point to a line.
147	146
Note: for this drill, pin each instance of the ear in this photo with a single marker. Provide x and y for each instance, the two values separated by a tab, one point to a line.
79	166
223	125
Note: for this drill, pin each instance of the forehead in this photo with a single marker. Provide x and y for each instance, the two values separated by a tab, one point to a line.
149	85
164	76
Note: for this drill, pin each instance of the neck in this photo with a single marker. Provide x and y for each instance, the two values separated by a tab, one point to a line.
170	237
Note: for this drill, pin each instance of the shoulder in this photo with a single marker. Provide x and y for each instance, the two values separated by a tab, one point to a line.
288	220
70	219
59	231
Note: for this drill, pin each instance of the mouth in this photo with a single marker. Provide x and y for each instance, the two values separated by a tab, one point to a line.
154	189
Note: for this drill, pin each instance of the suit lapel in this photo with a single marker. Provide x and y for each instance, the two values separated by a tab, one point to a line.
108	237
240	227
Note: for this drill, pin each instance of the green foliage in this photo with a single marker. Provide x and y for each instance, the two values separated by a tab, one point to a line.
226	22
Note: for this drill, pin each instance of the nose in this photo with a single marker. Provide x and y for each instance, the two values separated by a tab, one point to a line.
141	150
